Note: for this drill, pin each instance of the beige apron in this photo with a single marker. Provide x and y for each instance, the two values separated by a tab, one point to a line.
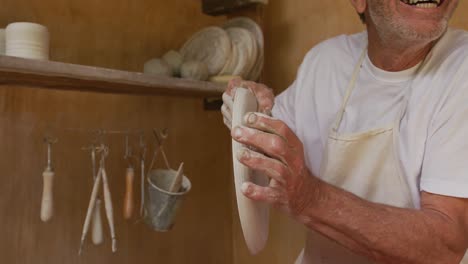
365	164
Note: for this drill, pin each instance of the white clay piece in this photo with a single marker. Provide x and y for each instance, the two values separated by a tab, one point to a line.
195	70
254	216
158	67
174	59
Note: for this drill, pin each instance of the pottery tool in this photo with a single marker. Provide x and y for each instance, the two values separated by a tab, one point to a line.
96	219
129	178
92	203
101	175
161	136
254	216
97	235
108	202
96	228
177	182
47	204
174	186
142	174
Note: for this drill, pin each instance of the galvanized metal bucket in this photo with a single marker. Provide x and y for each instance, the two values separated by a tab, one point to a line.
162	205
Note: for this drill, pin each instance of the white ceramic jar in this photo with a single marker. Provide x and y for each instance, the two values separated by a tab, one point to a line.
27	40
2	41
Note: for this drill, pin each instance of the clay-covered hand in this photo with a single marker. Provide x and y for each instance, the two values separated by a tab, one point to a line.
280	156
264	95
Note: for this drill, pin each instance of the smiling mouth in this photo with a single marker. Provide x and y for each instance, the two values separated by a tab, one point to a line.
423	3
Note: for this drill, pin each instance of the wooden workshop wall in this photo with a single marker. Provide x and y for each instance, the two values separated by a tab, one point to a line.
291	29
118	34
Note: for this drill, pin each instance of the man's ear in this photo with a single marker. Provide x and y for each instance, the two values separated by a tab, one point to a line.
359	5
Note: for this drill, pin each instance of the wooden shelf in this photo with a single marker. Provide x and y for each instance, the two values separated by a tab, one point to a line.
64	76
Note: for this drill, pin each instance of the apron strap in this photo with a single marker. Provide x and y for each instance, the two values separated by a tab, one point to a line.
349	91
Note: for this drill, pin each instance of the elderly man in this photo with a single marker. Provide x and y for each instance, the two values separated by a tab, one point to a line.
368	146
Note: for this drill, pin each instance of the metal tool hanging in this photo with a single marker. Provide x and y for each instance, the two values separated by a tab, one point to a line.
160	136
101	175
142	174
108	202
47	203
97	235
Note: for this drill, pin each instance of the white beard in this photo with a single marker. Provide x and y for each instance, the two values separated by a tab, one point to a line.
392	30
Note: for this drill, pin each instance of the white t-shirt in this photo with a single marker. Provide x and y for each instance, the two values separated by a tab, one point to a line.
433	142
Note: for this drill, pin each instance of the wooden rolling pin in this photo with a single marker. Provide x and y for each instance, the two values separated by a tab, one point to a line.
128	198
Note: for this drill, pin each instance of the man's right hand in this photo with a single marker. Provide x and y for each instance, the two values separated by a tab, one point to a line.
264	95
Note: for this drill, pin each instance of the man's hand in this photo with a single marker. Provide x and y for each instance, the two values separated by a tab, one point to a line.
264	95
280	156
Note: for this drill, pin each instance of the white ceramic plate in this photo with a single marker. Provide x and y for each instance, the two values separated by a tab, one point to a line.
254	216
245	49
252	26
211	45
231	62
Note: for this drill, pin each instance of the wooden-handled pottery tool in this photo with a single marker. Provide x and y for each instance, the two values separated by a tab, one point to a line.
97	235
129	179
128	198
109	209
92	203
142	174
47	203
96	219
107	201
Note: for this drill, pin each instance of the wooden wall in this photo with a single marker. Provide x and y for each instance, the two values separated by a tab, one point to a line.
123	34
291	29
118	34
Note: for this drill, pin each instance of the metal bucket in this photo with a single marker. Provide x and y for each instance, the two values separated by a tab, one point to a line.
161	205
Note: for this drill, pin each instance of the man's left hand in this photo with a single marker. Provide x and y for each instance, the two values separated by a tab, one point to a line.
278	154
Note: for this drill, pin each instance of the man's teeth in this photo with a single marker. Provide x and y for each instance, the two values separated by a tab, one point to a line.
423	3
427	5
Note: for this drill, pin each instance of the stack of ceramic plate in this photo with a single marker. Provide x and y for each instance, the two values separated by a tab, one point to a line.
243	55
2	41
250	25
211	45
27	40
236	49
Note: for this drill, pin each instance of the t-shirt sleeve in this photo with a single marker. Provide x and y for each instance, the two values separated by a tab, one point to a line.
445	166
284	107
286	102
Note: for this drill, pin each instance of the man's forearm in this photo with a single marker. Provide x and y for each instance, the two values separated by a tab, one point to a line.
384	233
435	234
